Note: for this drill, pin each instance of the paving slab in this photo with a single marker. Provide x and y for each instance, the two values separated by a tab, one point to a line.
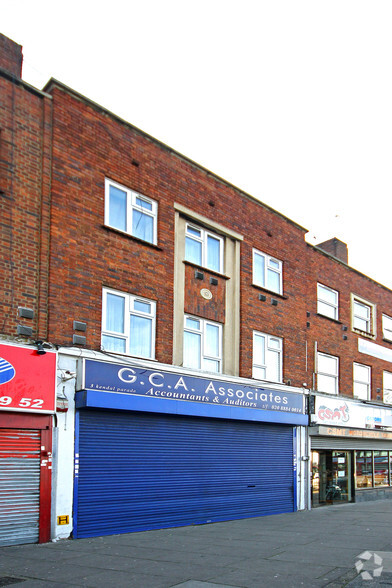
318	548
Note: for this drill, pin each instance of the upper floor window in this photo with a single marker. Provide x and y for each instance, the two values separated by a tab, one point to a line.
387	327
130	212
327	373
387	387
267	357
362	375
202	344
363	316
128	324
203	248
327	302
267	272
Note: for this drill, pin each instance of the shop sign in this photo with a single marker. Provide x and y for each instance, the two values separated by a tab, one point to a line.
27	379
121	379
345	413
345	432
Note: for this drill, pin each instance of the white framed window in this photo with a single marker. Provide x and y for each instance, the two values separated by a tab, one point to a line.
202	344
361	381
387	387
267	357
267	272
128	324
130	212
327	373
363	316
327	302
203	248
387	327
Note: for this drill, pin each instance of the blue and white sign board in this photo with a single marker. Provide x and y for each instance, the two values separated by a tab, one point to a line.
109	385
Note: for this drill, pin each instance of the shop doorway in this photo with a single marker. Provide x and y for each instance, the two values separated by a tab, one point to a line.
332	477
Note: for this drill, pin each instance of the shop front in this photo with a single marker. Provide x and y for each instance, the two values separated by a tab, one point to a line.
159	448
351	451
27	403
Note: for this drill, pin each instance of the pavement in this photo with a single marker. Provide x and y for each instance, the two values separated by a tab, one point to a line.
335	546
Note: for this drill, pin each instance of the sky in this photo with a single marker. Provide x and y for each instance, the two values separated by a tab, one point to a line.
290	100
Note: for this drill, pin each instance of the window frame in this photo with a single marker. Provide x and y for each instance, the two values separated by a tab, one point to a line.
327	374
204	357
267	348
386	332
371	332
129	310
267	261
131	207
335	307
204	234
368	383
387	388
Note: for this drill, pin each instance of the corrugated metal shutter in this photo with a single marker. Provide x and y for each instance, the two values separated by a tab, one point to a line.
19	486
145	471
348	444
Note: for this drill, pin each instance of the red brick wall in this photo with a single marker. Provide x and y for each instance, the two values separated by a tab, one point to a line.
25	122
11	56
329	334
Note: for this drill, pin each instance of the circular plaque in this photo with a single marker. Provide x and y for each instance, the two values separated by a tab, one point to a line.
207	295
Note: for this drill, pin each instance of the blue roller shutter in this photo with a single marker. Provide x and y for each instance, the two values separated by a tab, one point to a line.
145	471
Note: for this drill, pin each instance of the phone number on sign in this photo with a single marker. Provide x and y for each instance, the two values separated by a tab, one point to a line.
23	403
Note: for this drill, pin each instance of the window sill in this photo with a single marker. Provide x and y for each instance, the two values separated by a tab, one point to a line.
271	292
132	237
206	269
363	333
337	321
118	354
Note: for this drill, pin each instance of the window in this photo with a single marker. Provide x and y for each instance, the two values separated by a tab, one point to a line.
327	373
203	248
381	468
128	324
387	327
363	316
202	345
327	302
267	272
364	469
130	212
267	357
387	387
362	374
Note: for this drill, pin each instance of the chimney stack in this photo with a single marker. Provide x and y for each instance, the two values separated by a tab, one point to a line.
336	248
11	56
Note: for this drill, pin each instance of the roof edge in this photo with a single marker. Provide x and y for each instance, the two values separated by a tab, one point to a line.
55	83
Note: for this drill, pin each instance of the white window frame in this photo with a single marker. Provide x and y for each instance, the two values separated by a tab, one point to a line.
356	304
322	302
131	206
387	387
269	349
360	381
387	327
268	266
129	310
202	331
203	240
334	377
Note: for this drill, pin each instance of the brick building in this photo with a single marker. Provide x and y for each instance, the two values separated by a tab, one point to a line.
193	327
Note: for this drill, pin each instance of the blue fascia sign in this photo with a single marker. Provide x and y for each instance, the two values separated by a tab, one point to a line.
156	384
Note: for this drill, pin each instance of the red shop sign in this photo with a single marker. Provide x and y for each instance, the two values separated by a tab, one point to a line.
27	379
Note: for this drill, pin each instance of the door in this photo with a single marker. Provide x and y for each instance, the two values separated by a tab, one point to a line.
25	478
331	477
140	471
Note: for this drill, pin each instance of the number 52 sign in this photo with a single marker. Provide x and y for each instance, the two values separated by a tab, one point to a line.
27	379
